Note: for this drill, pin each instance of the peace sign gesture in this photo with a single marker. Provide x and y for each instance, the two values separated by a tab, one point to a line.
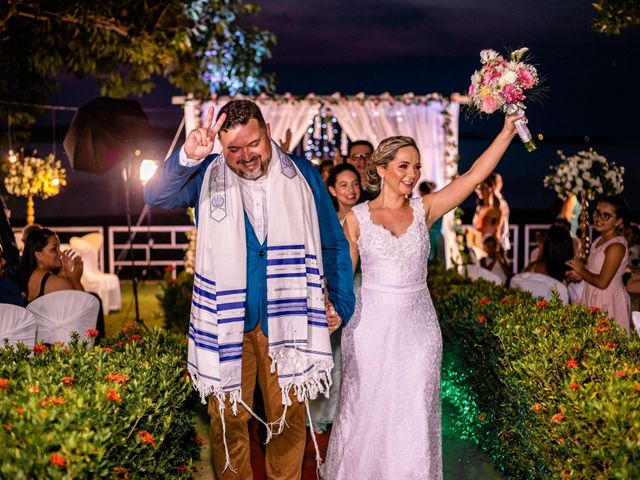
200	141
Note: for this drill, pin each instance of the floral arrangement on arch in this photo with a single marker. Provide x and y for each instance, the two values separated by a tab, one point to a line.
586	171
33	176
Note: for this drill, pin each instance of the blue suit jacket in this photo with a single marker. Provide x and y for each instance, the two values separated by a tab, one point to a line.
175	186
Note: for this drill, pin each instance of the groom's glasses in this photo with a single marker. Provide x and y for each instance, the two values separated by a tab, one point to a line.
606	216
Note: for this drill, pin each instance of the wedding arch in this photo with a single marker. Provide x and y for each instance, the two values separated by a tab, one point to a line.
432	120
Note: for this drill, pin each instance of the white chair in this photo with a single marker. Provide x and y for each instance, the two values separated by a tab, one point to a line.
105	285
17	324
476	271
575	291
60	313
635	319
540	285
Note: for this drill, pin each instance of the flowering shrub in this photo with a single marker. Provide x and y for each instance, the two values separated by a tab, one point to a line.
558	387
123	410
586	171
175	300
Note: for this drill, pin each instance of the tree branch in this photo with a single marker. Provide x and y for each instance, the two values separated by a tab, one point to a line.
110	24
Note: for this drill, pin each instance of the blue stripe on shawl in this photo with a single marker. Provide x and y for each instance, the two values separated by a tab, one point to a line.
204	293
315	352
230	320
288	312
231	345
230	306
317	310
287	300
202	374
285	247
204	333
285	261
297	374
318	324
203	307
232	292
273	344
316	285
309	255
228	359
204	279
286	275
313	270
204	346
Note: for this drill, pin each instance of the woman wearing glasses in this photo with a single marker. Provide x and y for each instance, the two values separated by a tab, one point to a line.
606	264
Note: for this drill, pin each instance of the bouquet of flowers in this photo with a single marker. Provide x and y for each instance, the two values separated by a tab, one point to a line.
503	85
587	172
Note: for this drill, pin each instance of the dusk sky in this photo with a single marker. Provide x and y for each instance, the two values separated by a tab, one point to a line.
427	46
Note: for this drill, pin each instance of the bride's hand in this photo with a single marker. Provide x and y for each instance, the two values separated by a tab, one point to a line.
510	123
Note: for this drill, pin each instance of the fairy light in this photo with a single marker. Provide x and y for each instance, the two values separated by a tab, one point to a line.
13	158
56	181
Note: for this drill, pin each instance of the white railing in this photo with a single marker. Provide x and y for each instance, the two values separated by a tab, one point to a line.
149	240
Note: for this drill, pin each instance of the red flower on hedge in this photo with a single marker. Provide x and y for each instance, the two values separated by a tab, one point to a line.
135	337
91	332
485	301
565	475
185	341
603	321
542	304
182	468
482	319
119	470
7	426
558	417
601	329
117	377
638	388
118	344
57	460
572	363
43	402
33	389
574	386
57	400
169	269
20	410
609	345
504	301
67	381
107	349
112	395
4	383
536	408
481	417
620	373
594	309
39	348
146	437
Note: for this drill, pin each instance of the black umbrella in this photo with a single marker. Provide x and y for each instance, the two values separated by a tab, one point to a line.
103	133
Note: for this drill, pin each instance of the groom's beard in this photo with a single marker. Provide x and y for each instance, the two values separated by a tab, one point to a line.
251	169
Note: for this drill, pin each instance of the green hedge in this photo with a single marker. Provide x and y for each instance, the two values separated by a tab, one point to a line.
549	390
120	410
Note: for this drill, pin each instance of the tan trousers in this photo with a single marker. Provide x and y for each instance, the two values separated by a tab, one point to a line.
285	451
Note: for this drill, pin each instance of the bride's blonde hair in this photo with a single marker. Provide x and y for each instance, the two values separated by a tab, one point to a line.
382	156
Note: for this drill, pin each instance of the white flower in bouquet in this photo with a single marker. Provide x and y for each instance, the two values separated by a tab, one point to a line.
488	55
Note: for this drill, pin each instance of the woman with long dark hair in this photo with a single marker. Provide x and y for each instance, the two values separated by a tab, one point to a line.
557	249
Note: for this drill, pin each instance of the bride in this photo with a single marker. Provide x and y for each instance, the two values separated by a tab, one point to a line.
388	420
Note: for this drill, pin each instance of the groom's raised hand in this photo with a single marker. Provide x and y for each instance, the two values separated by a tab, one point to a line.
200	141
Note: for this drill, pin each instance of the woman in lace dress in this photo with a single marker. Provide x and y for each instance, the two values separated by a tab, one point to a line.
388	420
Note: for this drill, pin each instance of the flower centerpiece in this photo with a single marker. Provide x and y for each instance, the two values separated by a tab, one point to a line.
585	172
585	175
504	85
32	176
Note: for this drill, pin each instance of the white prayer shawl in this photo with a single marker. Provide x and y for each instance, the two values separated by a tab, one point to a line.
299	343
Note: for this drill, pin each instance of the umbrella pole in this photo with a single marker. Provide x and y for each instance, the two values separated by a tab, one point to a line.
126	173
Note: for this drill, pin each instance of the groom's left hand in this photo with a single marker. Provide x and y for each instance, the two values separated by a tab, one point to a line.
333	319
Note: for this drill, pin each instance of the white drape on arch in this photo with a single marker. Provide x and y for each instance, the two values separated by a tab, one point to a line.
431	120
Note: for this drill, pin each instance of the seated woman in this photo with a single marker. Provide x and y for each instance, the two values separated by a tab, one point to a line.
9	292
495	261
556	250
45	269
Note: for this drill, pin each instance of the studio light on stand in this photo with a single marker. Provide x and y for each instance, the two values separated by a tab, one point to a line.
147	169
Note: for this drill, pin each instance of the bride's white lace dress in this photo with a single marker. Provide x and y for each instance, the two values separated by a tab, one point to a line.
388	420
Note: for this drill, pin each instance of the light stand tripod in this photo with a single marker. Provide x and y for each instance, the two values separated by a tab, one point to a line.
126	175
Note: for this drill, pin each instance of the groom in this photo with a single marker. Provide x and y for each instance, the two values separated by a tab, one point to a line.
266	229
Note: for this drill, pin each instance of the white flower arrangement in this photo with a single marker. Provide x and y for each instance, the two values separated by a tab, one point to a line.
34	176
586	171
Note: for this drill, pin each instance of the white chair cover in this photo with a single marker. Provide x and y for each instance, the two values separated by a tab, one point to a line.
575	291
105	285
60	313
635	319
476	271
540	285
17	324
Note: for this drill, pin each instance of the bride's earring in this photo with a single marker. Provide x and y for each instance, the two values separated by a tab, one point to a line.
381	183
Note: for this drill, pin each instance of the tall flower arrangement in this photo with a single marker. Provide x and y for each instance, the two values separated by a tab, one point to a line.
585	172
31	176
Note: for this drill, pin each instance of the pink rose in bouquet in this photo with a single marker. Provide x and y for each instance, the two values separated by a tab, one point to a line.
504	84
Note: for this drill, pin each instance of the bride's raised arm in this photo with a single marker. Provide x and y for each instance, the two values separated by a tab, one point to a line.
438	203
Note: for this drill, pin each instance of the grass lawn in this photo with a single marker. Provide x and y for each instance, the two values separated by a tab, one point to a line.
147	301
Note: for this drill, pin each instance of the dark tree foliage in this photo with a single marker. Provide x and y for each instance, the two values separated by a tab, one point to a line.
615	15
200	46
